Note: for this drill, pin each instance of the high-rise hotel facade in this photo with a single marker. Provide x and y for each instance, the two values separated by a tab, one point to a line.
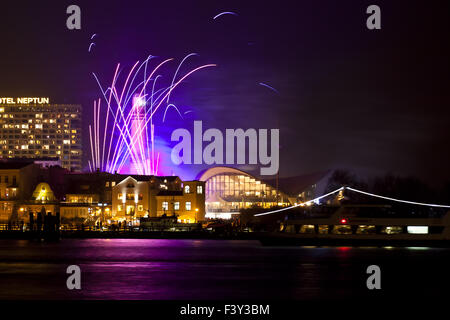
33	128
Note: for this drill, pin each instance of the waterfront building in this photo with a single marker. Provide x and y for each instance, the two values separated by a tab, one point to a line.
153	196
228	190
90	198
34	128
17	181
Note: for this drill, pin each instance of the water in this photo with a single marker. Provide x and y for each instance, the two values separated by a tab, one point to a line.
214	269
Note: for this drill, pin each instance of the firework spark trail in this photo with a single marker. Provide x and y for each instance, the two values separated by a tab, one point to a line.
123	118
271	88
164	90
116	121
119	125
95	134
107	117
92	147
178	68
134	77
152	137
140	94
94	130
123	90
167	108
134	122
109	104
225	12
127	123
165	96
98	133
146	133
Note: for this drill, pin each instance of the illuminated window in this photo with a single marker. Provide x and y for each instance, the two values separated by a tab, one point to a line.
66	141
119	196
107	184
140	207
187	189
392	230
199	189
418	229
188	205
176	206
165	205
119	207
113	184
130	196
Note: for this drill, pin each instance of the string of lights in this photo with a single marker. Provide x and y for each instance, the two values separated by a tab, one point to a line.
354	190
398	200
301	204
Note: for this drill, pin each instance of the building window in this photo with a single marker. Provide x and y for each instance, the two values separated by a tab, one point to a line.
188	205
14	180
6	179
165	205
140	207
119	196
113	183
176	206
199	189
119	207
107	184
187	189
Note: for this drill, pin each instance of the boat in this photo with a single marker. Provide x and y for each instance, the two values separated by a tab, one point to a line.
363	225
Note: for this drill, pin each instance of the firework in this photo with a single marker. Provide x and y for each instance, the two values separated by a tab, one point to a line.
124	132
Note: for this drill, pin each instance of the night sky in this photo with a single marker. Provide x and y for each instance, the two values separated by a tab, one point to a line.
370	101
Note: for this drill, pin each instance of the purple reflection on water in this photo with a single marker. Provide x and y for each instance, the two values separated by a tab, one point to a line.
202	269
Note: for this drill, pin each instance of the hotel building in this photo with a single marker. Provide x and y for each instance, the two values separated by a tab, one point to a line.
33	128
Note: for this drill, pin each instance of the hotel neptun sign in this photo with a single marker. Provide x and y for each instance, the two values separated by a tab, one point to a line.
24	100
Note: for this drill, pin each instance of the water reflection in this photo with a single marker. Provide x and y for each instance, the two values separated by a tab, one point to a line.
210	269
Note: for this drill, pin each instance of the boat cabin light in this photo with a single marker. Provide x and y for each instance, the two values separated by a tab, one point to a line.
418	229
